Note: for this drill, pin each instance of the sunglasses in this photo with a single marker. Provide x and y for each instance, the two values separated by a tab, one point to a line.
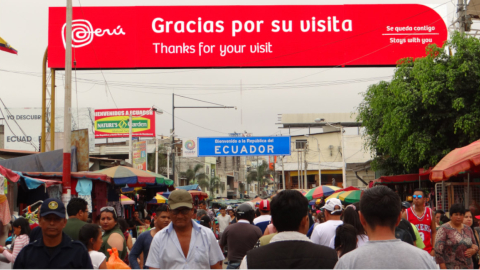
108	209
183	211
417	196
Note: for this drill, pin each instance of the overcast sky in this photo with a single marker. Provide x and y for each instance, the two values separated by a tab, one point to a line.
24	24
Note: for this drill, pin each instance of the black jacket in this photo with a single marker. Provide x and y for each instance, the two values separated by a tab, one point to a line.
68	255
292	254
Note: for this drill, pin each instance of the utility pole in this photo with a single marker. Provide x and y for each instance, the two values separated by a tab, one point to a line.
168	163
67	128
344	167
461	16
130	142
283	174
305	186
219	106
156	154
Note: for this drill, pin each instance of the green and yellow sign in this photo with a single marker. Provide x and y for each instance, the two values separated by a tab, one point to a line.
114	123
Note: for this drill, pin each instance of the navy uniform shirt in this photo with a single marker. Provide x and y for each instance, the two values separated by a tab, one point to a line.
69	254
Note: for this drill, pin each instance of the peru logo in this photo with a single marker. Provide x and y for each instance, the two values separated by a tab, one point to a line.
83	33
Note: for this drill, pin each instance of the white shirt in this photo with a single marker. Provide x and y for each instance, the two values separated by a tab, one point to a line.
223	222
324	232
361	240
262	218
166	251
97	258
283	236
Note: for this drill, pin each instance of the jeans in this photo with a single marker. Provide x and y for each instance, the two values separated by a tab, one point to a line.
234	264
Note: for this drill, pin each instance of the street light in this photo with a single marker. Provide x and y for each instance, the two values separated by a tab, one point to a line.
344	172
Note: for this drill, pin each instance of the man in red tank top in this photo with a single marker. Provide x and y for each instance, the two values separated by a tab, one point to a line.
422	217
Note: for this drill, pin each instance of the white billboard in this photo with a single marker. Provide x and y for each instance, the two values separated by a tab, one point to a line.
23	128
190	148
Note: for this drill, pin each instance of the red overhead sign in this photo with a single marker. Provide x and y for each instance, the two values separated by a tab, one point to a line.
113	123
244	36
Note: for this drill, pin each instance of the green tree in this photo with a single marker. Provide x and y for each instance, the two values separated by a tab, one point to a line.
260	175
194	175
212	184
430	107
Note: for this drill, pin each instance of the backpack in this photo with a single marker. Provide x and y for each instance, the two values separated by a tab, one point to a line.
407	226
403	235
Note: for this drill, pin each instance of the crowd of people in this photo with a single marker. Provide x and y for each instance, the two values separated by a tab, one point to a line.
378	232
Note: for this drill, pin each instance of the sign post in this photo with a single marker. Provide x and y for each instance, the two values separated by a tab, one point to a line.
248	146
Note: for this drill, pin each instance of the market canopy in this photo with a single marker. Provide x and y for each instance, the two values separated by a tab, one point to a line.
320	191
158	199
76	175
122	176
402	178
457	161
124	200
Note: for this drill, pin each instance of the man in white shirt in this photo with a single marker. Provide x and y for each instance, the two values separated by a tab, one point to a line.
324	232
223	220
184	243
265	218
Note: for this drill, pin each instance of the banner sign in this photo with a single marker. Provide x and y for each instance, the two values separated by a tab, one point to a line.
190	148
244	36
113	123
250	146
140	155
24	129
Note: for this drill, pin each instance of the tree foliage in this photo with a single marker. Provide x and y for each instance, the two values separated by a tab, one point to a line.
212	184
260	175
430	107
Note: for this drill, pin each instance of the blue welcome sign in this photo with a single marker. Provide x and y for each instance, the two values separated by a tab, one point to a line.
244	146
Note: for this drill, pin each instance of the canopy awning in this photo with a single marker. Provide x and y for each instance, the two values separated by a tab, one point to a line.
402	178
77	175
33	183
459	160
190	187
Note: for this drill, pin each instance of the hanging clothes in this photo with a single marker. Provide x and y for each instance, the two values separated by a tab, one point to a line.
5	215
118	208
55	192
99	196
112	194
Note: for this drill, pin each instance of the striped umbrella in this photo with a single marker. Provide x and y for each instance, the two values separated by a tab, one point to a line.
334	195
158	199
160	179
122	176
164	193
320	191
352	196
124	200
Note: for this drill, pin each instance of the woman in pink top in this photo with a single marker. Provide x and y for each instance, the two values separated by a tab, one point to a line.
21	229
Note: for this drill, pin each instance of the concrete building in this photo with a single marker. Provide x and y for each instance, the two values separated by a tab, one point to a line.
331	155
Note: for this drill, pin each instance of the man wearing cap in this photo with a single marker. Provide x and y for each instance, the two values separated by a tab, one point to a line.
184	243
265	218
54	249
324	232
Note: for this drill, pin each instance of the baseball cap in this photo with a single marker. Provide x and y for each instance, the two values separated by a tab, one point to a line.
52	206
180	198
331	204
477	217
229	208
405	205
264	205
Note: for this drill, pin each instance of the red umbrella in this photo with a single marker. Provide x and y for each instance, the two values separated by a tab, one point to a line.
459	160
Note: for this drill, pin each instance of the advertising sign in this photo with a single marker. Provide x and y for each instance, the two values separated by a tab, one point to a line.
140	155
190	148
113	123
244	36
24	129
250	146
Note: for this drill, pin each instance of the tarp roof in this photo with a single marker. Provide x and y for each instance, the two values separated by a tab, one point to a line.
190	187
403	178
42	162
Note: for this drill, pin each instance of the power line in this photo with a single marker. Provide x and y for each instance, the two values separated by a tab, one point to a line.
195	124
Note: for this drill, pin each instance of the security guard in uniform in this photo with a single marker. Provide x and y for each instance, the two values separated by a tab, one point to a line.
55	249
